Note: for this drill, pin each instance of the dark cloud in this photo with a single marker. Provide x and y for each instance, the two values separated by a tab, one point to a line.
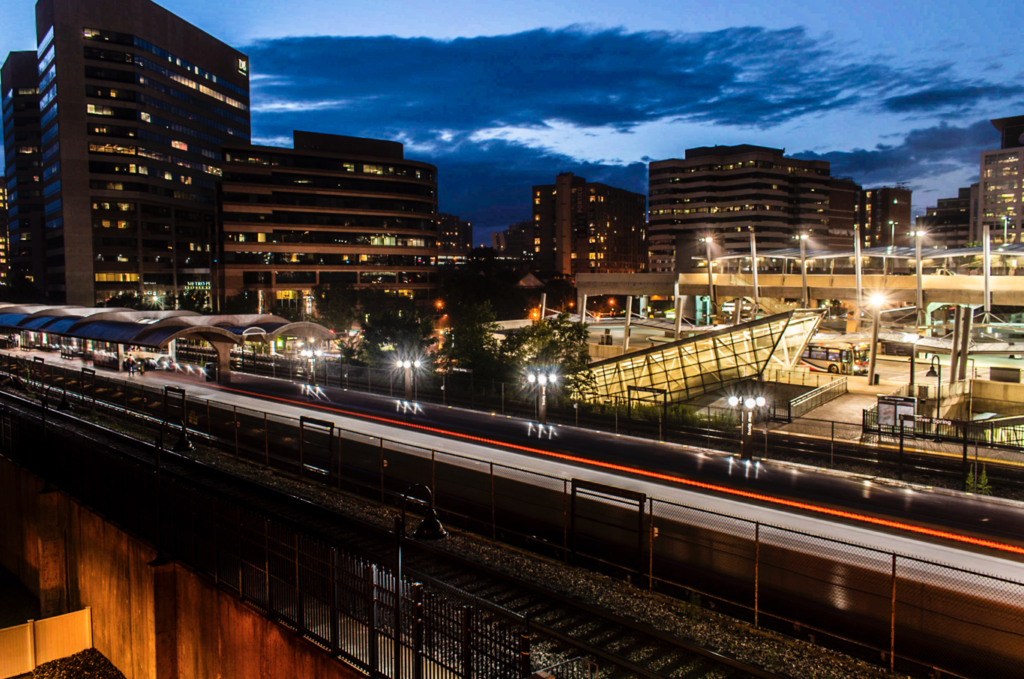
437	96
944	98
923	153
751	77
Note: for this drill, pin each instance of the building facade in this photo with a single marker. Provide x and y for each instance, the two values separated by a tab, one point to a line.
331	210
516	243
885	216
844	199
725	192
948	224
587	227
454	239
4	262
135	104
1000	186
23	163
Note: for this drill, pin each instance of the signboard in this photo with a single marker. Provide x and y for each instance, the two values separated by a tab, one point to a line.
892	408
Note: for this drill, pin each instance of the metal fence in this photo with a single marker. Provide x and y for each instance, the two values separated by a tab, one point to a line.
805	403
909	610
351	604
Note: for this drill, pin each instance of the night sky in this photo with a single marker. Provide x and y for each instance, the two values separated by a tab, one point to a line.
504	94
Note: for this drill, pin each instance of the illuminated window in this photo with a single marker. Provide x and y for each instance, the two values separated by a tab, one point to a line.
98	110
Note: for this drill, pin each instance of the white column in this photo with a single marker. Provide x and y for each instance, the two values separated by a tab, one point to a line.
803	269
857	269
679	316
753	268
543	305
583	309
625	330
920	288
987	269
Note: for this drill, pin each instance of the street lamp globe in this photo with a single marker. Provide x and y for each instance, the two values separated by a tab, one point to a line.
749	403
531	378
759	401
552	378
543	379
417	364
877	299
734	401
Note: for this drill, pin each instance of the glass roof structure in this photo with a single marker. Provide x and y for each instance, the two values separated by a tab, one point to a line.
708	361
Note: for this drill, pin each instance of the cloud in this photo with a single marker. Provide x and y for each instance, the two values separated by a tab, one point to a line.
938	98
923	153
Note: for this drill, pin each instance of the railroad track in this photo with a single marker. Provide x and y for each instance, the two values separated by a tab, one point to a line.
622	647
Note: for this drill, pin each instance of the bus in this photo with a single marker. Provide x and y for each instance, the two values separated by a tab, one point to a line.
836	356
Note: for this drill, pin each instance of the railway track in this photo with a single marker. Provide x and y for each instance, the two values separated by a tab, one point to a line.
622	647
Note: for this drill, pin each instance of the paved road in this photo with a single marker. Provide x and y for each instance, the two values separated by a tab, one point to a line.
785	495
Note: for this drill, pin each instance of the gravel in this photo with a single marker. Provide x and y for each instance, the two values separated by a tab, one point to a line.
89	664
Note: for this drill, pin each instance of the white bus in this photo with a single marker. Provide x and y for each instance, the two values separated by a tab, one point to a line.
837	356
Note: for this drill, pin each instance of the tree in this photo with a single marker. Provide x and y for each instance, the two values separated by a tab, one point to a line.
470	343
127	300
554	343
194	300
336	306
391	333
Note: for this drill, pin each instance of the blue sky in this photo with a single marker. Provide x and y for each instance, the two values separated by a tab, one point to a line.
505	94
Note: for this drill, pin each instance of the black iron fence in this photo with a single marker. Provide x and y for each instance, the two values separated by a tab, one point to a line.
907	610
351	604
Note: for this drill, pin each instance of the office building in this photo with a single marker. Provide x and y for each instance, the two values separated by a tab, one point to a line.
725	192
3	232
844	197
454	239
885	216
948	224
1000	191
23	225
516	243
587	227
330	210
134	105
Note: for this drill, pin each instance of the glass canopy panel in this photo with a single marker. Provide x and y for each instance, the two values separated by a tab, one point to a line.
702	363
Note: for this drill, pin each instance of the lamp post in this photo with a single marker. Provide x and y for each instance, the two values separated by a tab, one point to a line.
750	404
708	240
892	233
918	237
407	366
803	268
935	370
877	300
541	381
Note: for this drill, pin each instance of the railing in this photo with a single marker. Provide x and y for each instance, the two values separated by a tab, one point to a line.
347	602
805	403
800	377
911	611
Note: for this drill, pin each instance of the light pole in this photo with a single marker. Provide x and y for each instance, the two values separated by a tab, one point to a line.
919	236
407	366
892	233
877	300
935	370
541	381
708	240
803	268
750	403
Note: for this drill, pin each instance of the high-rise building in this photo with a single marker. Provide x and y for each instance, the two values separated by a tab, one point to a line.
332	209
26	251
948	224
1000	193
725	192
3	232
844	197
454	239
885	216
587	227
516	243
135	104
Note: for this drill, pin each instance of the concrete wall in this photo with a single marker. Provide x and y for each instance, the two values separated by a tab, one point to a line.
1004	398
153	619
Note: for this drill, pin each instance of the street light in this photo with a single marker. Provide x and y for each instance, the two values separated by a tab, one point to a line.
541	381
935	370
747	412
406	365
708	240
876	301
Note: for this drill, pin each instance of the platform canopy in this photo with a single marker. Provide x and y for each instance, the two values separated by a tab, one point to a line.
708	361
153	329
896	252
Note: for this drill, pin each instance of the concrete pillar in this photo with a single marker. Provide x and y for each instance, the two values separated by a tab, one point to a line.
625	330
53	575
954	360
679	317
165	617
965	342
120	357
582	301
543	305
223	350
172	350
644	301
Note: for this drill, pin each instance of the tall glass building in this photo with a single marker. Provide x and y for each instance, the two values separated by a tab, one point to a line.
134	105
